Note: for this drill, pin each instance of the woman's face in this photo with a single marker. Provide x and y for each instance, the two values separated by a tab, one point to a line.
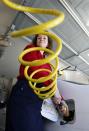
42	41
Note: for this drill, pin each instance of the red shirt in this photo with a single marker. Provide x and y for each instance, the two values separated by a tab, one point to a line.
34	55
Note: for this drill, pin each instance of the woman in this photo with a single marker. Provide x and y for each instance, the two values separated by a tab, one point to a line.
23	107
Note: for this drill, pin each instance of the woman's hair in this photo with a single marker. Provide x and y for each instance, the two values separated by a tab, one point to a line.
34	41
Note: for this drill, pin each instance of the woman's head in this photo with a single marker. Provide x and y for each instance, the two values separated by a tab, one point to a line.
41	40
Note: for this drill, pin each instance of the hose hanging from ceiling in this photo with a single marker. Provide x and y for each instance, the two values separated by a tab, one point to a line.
48	91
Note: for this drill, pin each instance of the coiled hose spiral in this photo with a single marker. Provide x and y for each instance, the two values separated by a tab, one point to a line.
50	90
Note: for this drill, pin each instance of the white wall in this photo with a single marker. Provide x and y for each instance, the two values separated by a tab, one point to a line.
9	64
73	76
80	93
76	76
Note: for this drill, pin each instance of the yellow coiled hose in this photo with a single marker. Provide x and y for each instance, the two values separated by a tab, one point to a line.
48	91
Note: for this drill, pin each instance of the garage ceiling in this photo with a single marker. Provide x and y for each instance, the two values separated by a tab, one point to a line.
74	31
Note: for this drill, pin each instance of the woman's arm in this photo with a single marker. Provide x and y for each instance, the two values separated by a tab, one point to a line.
57	97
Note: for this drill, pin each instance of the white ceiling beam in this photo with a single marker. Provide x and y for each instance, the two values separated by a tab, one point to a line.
75	17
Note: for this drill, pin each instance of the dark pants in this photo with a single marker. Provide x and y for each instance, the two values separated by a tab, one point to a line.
23	109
